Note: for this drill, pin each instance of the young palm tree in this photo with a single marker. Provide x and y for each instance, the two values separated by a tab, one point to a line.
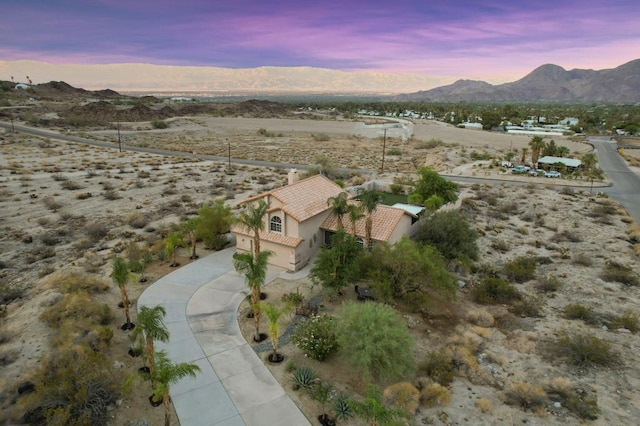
190	227
373	410
370	201
173	241
523	158
275	315
339	207
252	218
254	269
120	275
166	374
145	260
537	144
563	151
152	328
355	214
589	161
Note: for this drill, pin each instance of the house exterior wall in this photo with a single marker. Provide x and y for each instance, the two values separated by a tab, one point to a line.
310	231
403	228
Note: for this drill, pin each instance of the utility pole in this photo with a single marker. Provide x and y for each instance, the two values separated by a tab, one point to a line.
13	129
229	156
119	139
384	148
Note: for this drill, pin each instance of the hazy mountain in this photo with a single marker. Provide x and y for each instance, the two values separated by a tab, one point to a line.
547	83
158	78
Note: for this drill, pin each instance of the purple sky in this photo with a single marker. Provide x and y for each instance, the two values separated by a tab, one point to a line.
491	40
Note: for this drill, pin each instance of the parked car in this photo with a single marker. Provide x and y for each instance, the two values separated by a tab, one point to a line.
537	172
520	169
506	164
552	174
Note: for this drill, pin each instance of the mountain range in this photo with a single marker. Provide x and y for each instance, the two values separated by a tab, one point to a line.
547	83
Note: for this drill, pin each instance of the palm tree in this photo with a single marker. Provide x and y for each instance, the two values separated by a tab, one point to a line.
120	275
370	201
563	151
145	260
589	161
339	207
373	410
174	240
166	374
523	158
355	214
151	326
254	269
274	315
252	218
537	144
190	227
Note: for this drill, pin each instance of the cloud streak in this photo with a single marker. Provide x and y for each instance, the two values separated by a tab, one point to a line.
498	40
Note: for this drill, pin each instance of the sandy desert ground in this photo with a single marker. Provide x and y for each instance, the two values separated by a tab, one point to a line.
72	207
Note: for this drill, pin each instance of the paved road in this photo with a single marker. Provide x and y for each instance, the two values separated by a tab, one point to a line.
626	183
625	189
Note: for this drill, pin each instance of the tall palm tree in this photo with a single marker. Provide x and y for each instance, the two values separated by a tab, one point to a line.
373	410
537	144
589	161
339	207
174	240
563	151
523	158
370	201
166	374
252	218
190	227
254	269
355	214
152	328
120	275
274	315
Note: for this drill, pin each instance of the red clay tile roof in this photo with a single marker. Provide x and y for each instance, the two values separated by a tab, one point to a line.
304	199
273	237
384	220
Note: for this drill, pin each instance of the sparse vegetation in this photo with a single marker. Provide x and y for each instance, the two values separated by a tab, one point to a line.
584	350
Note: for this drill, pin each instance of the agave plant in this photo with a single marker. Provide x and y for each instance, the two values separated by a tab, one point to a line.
304	377
341	408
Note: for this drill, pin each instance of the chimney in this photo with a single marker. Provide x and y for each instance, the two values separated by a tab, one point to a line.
293	176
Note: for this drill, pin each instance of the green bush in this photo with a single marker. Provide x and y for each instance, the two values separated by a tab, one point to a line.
525	395
375	340
629	320
316	337
584	350
439	368
529	306
616	272
159	124
304	377
520	269
548	284
394	151
584	406
320	137
395	188
495	290
576	311
451	233
430	144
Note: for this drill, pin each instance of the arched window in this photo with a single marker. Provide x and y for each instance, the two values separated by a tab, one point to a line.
360	241
275	224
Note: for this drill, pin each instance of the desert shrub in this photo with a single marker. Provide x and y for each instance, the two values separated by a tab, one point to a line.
431	183
434	394
50	238
576	311
341	407
394	151
304	377
73	387
316	337
548	284
529	306
584	350
438	367
404	396
395	188
75	282
51	203
77	307
339	265
96	231
320	137
9	292
375	340
629	320
603	210
484	405
159	124
136	220
451	233
525	395
111	194
520	269
560	386
266	133
494	290
214	222
83	195
582	259
583	406
617	272
430	144
434	202
293	298
59	177
481	317
500	245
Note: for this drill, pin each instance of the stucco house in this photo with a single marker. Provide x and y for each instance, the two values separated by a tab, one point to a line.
299	221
